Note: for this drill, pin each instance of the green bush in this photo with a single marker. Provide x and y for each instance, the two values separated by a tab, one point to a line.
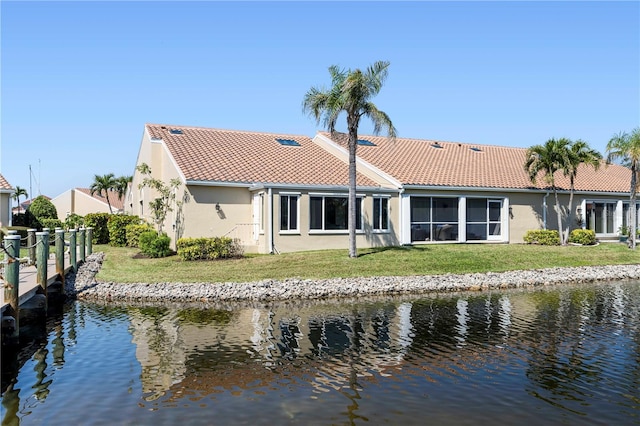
117	225
98	221
73	221
155	245
52	224
586	237
133	232
41	208
208	248
544	237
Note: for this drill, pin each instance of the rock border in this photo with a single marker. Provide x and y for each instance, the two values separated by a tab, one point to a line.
84	286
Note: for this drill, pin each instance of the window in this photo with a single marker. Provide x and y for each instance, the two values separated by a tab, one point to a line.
380	214
287	142
483	218
434	219
331	213
288	212
600	217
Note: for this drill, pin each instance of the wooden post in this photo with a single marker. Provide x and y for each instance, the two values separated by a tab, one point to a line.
42	251
82	244
31	244
73	250
12	278
89	240
60	253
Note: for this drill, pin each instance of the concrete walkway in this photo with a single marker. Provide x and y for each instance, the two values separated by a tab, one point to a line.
28	285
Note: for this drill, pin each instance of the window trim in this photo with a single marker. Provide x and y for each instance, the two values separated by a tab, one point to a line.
324	231
288	195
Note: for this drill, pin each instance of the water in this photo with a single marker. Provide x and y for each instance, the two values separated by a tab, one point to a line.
565	355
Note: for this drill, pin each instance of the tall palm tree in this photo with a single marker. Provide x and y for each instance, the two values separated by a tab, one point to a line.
102	185
351	92
579	153
626	148
121	186
548	159
17	193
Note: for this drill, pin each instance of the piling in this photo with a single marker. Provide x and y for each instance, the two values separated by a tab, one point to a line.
42	254
73	250
60	253
12	279
81	244
89	240
31	244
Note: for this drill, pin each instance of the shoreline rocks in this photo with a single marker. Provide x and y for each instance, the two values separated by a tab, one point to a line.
83	285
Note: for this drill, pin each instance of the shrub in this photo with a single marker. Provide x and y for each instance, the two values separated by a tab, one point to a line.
155	245
586	237
544	237
41	208
133	232
98	221
117	225
73	221
20	219
52	224
208	248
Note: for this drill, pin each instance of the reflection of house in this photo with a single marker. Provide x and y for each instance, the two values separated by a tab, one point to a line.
6	192
287	193
81	202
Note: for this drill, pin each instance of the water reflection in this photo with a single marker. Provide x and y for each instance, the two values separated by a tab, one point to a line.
569	353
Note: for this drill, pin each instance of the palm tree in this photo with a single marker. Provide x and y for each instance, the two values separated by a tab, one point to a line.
351	92
102	185
121	186
626	148
548	159
579	153
17	193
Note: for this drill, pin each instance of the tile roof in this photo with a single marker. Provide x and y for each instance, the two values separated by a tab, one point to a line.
417	162
116	203
216	155
4	184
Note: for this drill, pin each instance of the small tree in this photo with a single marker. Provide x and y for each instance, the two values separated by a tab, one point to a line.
161	205
18	192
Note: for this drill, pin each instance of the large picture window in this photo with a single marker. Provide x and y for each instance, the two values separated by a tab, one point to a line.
288	213
381	214
434	219
331	213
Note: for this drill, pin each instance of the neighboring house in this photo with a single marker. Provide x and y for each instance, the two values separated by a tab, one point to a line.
81	202
289	193
6	192
24	205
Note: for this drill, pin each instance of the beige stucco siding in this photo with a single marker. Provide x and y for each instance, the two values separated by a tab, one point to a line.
5	209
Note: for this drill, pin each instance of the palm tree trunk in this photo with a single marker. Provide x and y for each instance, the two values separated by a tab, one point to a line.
565	238
632	205
353	144
106	195
559	212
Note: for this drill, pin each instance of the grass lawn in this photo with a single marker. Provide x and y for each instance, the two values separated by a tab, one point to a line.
121	266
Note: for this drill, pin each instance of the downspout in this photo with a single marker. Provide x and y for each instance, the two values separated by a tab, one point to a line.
270	221
544	210
400	222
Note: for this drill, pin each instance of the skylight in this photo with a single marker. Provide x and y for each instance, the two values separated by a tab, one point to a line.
476	149
287	142
365	142
175	131
436	145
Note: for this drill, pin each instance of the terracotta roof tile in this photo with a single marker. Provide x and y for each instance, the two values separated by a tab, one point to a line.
204	154
418	162
4	184
116	203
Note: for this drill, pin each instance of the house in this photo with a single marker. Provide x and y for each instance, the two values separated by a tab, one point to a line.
280	192
6	192
81	202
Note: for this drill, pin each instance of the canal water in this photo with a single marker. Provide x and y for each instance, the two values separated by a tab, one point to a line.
561	355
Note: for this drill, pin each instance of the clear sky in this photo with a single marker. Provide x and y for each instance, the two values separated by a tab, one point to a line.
80	79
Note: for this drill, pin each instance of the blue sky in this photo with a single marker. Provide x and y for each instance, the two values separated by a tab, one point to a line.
80	79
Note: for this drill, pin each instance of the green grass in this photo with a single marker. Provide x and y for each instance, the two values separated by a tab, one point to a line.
121	266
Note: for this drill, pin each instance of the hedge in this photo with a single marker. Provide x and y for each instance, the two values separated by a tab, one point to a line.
155	245
544	237
586	237
117	225
133	232
208	248
98	221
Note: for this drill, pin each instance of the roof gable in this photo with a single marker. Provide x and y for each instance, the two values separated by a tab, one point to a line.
116	203
4	184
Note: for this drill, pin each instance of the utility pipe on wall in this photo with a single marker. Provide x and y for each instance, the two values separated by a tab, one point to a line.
544	211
